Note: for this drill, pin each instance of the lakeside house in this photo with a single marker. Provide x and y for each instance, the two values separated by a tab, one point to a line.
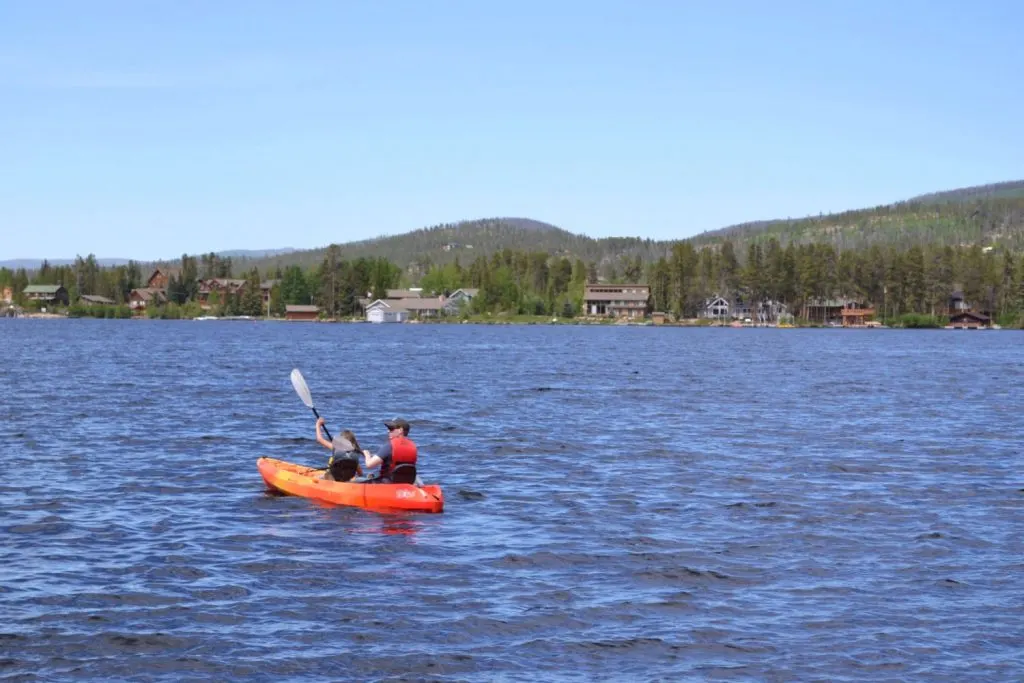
95	300
301	312
219	286
158	279
403	305
857	316
719	308
403	310
47	294
616	301
387	311
970	320
155	291
716	308
458	299
139	299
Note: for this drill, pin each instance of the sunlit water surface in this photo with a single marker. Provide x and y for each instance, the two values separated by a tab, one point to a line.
622	503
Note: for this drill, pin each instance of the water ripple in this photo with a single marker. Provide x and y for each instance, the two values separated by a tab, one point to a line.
622	504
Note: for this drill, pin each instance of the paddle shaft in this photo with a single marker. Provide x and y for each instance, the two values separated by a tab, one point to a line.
328	433
302	389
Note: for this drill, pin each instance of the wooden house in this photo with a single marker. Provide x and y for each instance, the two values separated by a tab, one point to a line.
716	308
856	317
158	279
616	301
301	312
459	299
143	297
265	288
47	294
222	286
970	320
95	300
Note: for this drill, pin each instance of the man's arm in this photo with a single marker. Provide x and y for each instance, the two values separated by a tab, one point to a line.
378	460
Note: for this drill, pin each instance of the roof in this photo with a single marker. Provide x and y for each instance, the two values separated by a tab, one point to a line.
416	304
604	287
616	292
832	303
980	317
42	289
204	285
96	299
163	270
466	291
403	294
147	293
615	296
301	308
392	304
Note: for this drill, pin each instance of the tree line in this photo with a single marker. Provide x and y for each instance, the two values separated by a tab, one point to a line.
919	279
916	280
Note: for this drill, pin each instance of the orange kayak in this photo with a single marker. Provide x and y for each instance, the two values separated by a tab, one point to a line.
299	480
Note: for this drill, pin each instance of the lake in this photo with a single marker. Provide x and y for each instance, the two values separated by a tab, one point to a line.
622	503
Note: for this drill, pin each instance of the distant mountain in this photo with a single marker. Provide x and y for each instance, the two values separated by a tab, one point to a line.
255	253
1009	190
989	215
526	224
35	263
235	254
467	240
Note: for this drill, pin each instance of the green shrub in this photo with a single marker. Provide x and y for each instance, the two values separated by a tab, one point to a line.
920	321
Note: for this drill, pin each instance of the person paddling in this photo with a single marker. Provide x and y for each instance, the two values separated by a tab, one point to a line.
396	458
343	464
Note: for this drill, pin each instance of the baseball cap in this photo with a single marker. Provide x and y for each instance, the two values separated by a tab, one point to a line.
397	422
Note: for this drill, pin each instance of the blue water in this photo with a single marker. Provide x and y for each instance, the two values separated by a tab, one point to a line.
622	503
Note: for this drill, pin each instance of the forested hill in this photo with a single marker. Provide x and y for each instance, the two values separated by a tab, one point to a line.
988	215
465	241
1011	190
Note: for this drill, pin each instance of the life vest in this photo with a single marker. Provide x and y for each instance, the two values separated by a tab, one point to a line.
403	452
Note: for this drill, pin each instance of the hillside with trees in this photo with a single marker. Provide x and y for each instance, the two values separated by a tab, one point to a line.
988	215
904	259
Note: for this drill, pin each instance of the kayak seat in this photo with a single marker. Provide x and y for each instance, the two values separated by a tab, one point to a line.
404	474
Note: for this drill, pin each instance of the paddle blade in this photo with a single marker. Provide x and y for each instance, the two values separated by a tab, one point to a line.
299	382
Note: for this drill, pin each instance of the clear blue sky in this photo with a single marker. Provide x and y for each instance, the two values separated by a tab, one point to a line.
148	129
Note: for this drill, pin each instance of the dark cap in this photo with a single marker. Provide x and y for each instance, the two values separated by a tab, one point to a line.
397	422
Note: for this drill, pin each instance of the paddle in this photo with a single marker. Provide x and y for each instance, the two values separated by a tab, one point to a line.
299	382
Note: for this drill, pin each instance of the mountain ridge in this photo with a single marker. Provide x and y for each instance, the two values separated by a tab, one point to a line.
991	214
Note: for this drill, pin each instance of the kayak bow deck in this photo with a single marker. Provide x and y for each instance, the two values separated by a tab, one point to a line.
299	480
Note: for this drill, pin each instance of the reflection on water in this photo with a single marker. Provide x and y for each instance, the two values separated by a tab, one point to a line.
621	504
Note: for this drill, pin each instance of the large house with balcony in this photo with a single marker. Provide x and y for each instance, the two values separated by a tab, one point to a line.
616	301
47	294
